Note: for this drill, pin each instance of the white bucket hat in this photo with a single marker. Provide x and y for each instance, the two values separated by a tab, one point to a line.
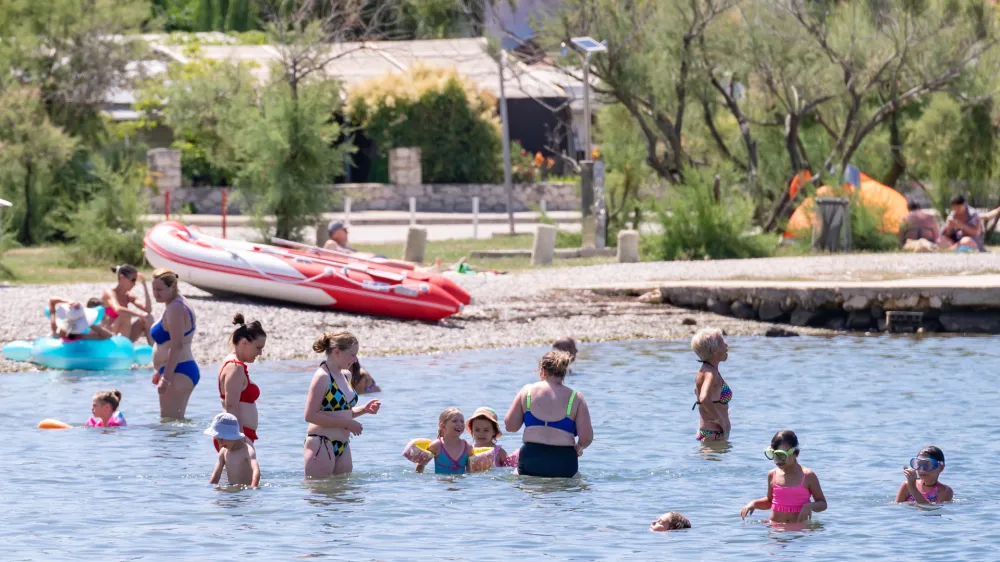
225	426
75	318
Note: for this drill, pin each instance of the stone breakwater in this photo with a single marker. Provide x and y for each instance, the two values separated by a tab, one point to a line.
438	198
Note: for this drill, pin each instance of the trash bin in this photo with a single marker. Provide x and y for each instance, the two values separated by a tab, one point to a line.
832	225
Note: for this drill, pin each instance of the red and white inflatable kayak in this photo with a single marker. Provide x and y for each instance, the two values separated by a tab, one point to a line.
303	275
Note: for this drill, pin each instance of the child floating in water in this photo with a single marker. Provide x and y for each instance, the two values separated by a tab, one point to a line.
451	452
922	484
105	409
670	521
790	485
485	430
236	455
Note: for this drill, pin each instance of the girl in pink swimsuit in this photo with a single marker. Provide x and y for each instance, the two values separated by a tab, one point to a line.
105	409
790	485
922	485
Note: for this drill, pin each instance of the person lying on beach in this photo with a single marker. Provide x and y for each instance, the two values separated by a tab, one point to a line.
236	455
670	521
70	321
922	485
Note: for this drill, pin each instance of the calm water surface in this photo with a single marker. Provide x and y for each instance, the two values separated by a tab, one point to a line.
861	407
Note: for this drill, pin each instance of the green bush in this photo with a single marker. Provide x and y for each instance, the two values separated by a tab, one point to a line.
452	121
698	227
865	229
106	229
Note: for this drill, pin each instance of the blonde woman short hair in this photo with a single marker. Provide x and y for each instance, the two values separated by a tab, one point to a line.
706	343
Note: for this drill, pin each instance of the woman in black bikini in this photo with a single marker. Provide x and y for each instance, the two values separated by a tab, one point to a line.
331	407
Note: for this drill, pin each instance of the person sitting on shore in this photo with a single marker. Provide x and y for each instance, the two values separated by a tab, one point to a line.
362	380
918	225
670	521
118	317
70	321
963	231
338	242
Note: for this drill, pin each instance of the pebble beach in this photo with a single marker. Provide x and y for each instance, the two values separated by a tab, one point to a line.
528	308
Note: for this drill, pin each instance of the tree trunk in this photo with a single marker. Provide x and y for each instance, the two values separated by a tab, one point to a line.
898	159
29	171
782	209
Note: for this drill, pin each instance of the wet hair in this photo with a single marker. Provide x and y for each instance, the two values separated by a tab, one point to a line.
244	331
706	342
341	340
932	452
94	302
675	521
111	397
126	269
958	200
444	417
555	364
565	344
784	437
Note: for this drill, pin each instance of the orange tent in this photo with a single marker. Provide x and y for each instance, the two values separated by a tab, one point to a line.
873	194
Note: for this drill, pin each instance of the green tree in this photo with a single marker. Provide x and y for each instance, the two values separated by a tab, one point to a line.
31	149
444	113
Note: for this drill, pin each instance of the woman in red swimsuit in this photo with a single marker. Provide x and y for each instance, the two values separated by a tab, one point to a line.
238	393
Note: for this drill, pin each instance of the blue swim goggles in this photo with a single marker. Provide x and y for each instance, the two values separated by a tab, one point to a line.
924	464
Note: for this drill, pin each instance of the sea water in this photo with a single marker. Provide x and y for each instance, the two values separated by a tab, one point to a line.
860	406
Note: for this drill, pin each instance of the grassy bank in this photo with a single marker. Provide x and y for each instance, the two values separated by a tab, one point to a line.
51	265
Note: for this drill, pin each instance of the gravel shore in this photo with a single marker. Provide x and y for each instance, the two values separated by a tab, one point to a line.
528	308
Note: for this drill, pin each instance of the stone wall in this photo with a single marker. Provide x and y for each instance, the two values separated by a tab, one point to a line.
445	198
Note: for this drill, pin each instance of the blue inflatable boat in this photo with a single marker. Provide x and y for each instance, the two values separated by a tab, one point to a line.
115	354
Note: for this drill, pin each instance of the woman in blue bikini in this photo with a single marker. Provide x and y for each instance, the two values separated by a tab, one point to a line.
176	371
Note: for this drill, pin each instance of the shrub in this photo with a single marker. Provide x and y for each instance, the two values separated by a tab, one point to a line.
106	229
437	109
698	227
866	228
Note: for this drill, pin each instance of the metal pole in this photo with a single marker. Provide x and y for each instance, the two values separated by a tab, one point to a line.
588	147
507	182
475	218
413	210
225	200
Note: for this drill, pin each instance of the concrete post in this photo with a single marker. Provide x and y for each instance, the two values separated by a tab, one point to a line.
413	210
347	211
628	246
544	248
475	218
589	230
416	243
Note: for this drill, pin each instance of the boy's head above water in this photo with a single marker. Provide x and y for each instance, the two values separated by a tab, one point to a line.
670	521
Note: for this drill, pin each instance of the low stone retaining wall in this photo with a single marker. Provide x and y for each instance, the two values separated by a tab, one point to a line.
945	309
437	198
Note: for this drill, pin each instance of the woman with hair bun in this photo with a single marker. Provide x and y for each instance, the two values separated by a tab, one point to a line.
238	393
556	420
331	407
120	319
176	371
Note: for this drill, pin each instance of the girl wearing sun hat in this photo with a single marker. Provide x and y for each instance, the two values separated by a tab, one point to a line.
485	429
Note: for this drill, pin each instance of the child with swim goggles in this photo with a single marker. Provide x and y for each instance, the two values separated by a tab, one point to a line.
484	428
789	485
922	485
105	409
451	452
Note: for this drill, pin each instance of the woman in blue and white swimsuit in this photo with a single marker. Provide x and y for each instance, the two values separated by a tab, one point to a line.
176	371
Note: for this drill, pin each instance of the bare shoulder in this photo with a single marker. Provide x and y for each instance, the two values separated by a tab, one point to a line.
945	493
809	474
